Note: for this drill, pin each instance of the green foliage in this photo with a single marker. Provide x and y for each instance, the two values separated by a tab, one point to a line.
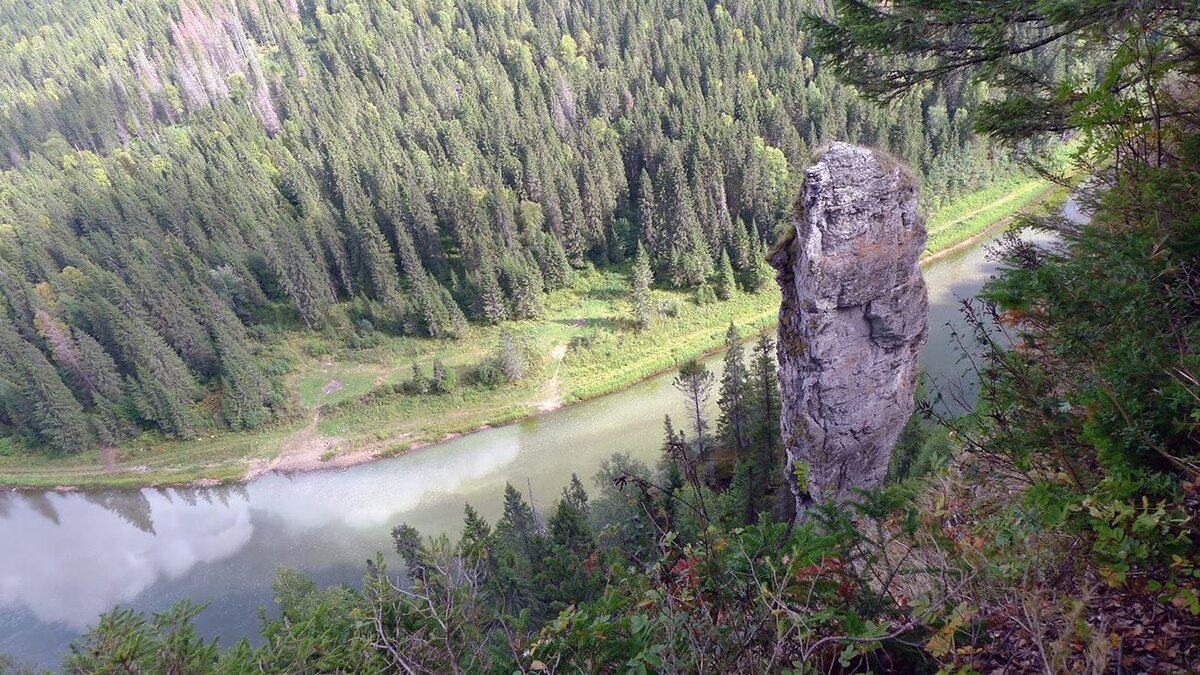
1089	398
1102	68
726	284
1085	432
695	381
705	295
759	275
639	290
1135	536
444	379
124	641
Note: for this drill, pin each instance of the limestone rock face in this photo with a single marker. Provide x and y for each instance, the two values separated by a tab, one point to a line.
852	322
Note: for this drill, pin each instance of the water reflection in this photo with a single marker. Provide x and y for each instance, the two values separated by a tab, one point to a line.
89	560
71	556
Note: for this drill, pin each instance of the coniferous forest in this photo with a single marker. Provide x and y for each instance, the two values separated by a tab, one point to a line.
181	179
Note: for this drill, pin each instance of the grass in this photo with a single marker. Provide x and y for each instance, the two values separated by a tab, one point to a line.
980	211
352	397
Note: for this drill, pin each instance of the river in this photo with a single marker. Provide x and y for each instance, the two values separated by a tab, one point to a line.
68	557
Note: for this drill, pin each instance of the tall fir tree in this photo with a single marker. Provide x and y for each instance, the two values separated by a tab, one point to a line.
760	275
695	381
733	399
639	290
763	392
726	282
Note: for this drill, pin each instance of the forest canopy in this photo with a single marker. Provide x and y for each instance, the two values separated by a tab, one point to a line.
180	179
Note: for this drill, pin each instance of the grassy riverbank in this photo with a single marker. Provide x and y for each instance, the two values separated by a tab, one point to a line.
348	409
981	211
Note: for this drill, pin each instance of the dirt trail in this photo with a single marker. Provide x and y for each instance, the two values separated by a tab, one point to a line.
551	395
108	458
304	452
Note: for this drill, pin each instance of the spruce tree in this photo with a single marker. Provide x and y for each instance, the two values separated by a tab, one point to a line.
576	495
688	260
734	421
492	305
765	408
639	290
476	541
760	276
107	393
670	471
342	175
726	283
247	392
569	528
510	357
443	378
742	246
556	268
519	527
420	382
739	503
647	212
695	381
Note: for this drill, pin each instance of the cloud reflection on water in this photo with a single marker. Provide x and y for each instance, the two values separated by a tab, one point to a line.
71	556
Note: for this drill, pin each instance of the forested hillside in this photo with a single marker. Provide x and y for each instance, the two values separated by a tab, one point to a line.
180	180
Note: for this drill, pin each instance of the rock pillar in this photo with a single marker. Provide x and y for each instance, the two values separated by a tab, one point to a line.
852	322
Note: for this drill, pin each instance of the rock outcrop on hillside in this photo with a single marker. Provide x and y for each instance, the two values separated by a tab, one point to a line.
852	322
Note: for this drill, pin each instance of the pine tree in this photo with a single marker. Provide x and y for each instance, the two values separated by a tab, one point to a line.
765	409
733	423
511	357
760	275
726	283
443	378
639	290
695	382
